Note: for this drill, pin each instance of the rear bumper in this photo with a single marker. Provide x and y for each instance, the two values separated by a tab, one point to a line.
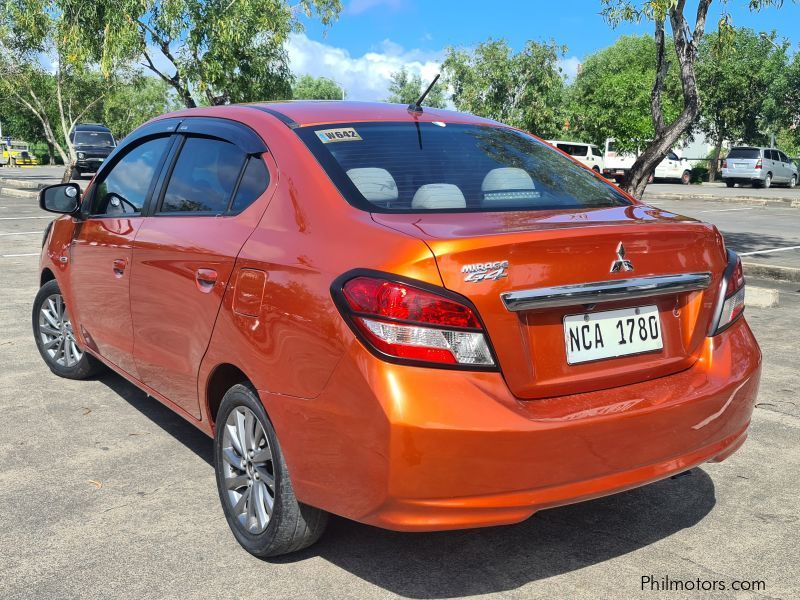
744	174
422	449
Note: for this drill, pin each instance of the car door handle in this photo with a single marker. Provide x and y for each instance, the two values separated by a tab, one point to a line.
119	266
205	278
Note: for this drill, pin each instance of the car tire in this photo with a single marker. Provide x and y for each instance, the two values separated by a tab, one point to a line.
686	178
730	184
76	174
793	181
596	169
243	481
767	183
52	330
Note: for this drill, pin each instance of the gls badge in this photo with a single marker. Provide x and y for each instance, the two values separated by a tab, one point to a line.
483	271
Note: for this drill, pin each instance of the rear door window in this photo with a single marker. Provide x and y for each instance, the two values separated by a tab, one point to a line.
253	183
203	178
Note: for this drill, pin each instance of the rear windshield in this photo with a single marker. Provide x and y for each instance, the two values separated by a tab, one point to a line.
93	138
744	153
573	149
422	167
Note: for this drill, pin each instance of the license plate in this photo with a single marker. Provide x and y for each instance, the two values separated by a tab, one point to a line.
612	333
740	165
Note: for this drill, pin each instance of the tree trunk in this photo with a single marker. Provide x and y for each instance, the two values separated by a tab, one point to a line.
713	168
51	153
667	136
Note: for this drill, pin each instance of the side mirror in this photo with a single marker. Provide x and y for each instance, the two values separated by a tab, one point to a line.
63	198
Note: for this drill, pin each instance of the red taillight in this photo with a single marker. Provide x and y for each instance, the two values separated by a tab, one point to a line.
392	300
758	164
406	322
734	285
724	164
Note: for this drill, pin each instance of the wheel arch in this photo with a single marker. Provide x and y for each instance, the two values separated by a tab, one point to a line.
45	276
222	378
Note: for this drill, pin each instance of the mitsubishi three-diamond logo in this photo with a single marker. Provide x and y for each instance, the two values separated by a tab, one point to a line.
621	264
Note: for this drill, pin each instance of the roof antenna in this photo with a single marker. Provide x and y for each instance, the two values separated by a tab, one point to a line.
417	106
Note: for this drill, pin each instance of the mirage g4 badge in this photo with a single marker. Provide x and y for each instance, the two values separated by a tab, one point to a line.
483	271
621	264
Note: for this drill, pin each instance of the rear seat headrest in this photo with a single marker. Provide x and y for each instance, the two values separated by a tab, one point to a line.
506	184
438	195
375	184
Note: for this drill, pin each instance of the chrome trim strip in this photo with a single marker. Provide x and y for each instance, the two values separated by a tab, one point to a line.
604	291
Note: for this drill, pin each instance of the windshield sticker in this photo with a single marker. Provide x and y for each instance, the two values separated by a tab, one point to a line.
343	134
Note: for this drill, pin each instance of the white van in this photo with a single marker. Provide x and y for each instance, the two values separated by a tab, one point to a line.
617	165
588	154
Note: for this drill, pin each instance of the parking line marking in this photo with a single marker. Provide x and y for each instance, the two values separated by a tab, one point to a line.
21	218
22	233
16	255
725	209
769	251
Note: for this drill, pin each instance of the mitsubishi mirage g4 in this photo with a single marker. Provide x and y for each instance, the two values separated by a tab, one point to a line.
416	319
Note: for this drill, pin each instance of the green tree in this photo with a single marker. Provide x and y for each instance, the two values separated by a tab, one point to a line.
525	89
738	83
610	97
317	88
135	98
686	42
208	51
406	88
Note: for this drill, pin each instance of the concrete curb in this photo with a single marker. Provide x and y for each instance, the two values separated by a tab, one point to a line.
758	201
759	297
17	193
21	184
771	272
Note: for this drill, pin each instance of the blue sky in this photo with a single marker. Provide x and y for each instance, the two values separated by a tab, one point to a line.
372	38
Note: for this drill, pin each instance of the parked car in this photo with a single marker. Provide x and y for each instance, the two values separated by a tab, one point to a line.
758	166
618	165
93	143
417	320
17	154
587	154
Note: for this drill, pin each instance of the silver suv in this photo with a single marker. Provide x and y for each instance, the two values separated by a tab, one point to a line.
760	166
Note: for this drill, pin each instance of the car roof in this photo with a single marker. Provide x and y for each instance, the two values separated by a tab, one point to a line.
300	113
90	127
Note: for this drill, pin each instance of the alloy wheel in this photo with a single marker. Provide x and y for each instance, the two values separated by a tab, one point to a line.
55	332
248	470
793	182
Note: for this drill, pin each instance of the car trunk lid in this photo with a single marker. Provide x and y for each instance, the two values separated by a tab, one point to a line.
484	255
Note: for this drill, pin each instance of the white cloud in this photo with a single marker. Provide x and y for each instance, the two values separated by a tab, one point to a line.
364	77
356	7
569	67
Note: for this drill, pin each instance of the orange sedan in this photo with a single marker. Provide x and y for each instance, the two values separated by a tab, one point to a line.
413	318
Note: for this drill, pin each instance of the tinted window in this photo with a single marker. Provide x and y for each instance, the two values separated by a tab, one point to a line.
417	167
124	189
750	153
573	149
596	151
253	183
783	157
672	156
204	177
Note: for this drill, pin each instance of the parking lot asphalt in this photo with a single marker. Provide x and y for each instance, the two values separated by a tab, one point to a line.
106	493
767	235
